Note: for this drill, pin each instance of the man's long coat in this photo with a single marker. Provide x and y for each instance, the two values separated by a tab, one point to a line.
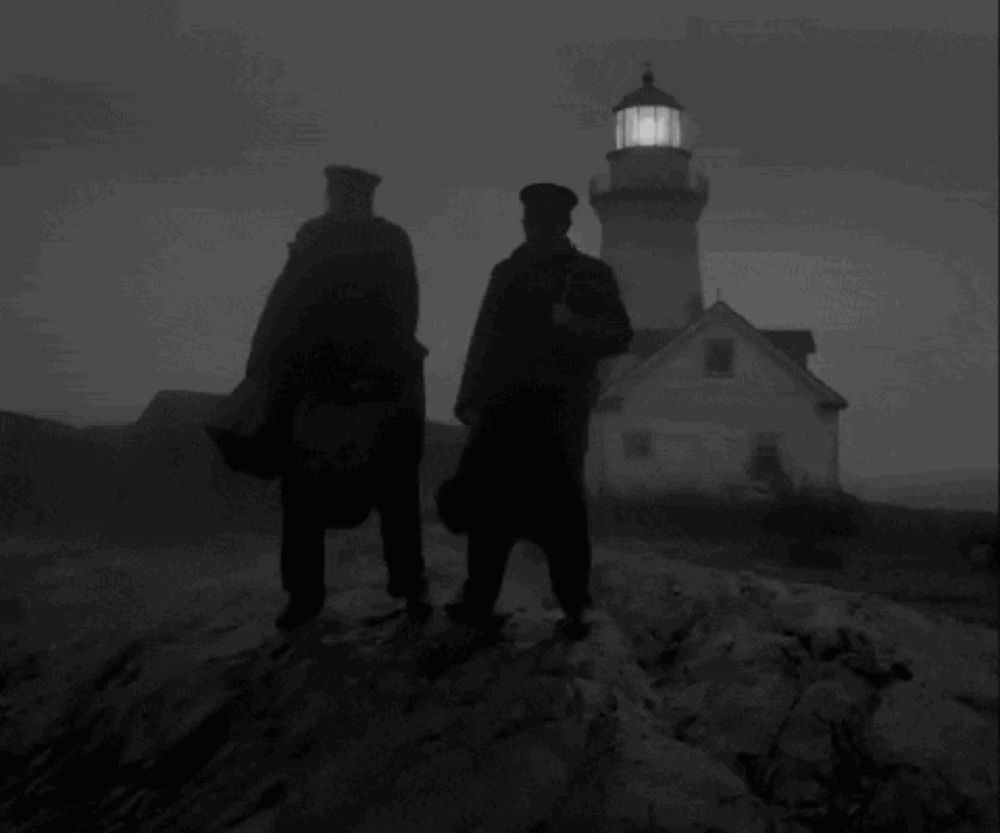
528	385
343	310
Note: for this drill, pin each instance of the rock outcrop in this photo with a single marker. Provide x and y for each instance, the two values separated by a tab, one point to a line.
703	701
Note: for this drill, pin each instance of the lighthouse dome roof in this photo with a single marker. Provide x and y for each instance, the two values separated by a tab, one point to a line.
648	95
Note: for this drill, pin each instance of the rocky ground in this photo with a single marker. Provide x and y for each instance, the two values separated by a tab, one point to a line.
144	689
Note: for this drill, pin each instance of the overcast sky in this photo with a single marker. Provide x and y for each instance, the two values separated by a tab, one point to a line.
156	157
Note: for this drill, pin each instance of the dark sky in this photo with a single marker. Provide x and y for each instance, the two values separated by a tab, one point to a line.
156	157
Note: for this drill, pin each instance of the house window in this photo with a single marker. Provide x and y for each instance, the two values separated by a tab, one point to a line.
719	356
638	444
765	465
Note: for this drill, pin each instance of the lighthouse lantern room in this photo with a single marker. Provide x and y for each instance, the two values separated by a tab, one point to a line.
648	117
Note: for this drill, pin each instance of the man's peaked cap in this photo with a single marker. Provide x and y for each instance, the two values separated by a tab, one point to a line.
351	179
546	199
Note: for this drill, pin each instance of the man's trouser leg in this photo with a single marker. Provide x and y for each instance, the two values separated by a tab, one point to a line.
302	543
401	525
569	553
566	538
487	555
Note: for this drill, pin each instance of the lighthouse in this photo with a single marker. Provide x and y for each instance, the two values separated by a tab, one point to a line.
649	204
704	402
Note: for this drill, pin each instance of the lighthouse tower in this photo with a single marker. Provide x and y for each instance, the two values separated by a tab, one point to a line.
649	204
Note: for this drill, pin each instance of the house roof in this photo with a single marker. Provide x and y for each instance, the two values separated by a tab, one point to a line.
787	348
647	342
796	343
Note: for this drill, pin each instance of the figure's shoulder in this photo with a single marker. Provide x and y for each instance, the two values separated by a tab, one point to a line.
592	271
310	232
503	274
388	230
312	226
590	265
387	226
502	267
326	233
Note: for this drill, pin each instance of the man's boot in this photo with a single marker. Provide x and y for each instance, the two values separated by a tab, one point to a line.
577	625
416	594
467	611
301	608
418	605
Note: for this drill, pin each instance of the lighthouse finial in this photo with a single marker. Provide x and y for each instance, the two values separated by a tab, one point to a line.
647	75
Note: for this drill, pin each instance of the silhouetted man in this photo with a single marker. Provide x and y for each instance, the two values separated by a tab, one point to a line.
550	313
341	322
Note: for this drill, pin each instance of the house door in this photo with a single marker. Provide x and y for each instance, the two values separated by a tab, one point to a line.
765	461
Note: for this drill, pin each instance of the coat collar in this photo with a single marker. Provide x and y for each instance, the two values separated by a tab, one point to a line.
542	250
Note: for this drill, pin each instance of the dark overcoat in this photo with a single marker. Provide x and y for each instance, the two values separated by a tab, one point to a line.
528	384
345	310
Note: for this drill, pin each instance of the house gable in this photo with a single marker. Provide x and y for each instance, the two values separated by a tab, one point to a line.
798	344
756	360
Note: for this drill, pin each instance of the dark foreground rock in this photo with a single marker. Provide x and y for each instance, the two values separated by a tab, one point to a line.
703	701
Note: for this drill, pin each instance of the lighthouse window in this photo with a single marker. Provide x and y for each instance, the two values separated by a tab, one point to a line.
631	127
647	126
719	356
662	126
674	139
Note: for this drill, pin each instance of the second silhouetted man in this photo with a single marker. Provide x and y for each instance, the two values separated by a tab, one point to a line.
549	315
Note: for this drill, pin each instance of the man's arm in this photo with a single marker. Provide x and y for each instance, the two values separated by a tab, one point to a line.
278	325
274	327
596	321
405	288
473	387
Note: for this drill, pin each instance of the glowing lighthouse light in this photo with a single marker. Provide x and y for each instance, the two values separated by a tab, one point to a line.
648	117
648	127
